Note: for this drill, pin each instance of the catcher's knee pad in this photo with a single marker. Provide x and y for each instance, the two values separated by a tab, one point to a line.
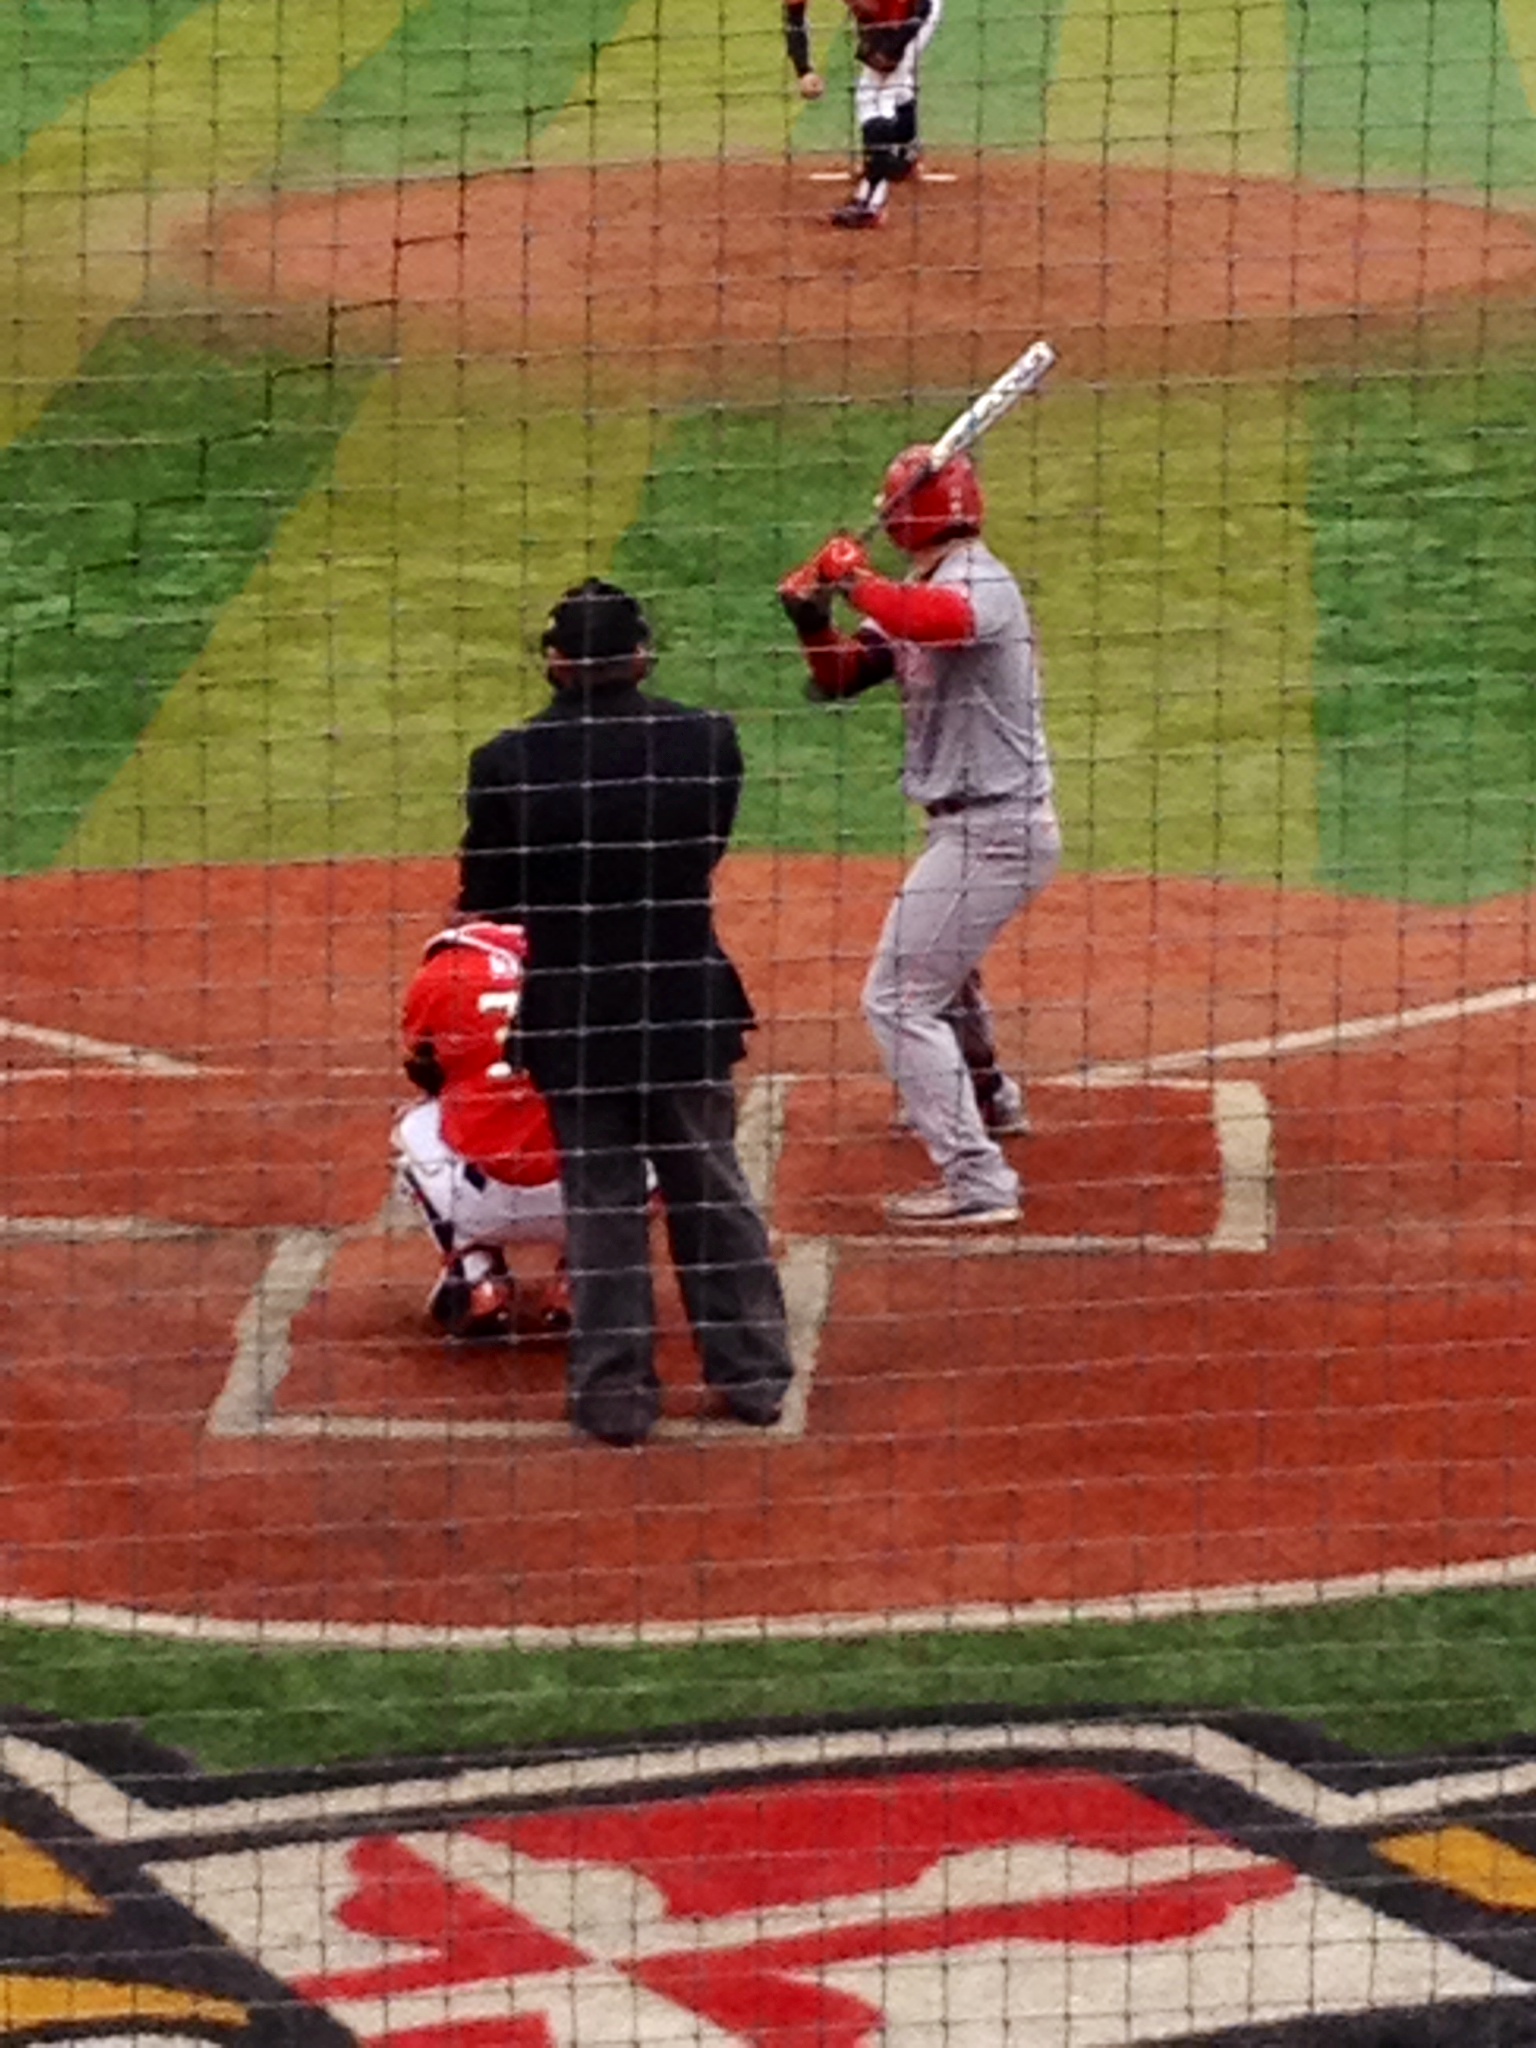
890	146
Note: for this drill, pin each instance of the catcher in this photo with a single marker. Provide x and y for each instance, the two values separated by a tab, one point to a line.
478	1155
891	36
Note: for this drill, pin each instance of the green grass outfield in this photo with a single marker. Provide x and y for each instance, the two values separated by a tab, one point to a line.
258	604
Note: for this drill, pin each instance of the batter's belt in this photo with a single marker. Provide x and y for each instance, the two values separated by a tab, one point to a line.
951	806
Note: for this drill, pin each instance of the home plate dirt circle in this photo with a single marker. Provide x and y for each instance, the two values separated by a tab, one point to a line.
1272	1351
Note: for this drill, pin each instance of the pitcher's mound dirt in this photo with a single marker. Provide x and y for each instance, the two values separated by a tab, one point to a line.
728	276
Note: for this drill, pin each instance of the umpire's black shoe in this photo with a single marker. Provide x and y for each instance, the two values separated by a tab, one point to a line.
617	1422
758	1409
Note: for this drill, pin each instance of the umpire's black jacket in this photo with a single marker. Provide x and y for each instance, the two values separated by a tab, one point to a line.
598	825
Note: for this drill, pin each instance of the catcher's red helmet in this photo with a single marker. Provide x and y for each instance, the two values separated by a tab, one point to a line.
505	946
881	13
918	510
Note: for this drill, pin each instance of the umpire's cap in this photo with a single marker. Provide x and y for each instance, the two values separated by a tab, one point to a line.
596	621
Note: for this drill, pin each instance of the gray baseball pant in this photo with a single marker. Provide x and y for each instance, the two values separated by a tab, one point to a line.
978	868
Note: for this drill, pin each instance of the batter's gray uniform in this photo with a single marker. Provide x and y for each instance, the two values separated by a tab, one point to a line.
978	763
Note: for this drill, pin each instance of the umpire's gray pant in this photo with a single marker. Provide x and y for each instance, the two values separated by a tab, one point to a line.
719	1246
978	868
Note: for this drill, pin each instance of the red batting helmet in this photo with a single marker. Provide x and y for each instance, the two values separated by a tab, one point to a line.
918	510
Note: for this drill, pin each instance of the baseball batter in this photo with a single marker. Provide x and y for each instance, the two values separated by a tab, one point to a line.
478	1155
957	638
891	36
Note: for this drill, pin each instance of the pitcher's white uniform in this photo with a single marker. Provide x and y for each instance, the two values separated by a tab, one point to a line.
892	37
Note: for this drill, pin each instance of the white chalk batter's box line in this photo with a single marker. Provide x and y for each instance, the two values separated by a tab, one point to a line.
301	1259
301	1262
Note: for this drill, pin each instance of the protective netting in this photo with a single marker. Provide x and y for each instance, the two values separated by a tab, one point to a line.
1024	1538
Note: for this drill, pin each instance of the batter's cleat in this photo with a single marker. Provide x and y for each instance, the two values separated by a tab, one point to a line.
1006	1115
857	213
940	1208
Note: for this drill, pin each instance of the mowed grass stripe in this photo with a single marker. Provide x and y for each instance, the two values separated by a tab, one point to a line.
52	51
983	82
1520	34
393	625
314	719
984	79
464	86
123	533
1201	86
679	78
735	500
1167	555
1165	541
1420	94
1423	496
81	208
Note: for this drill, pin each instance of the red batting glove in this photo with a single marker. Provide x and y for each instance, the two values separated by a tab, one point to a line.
807	602
801	585
842	561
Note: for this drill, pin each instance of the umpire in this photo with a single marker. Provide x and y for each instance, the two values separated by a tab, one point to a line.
598	826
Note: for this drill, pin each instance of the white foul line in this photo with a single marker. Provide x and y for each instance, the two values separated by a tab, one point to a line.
1341	1032
107	1052
1179	1603
100	1229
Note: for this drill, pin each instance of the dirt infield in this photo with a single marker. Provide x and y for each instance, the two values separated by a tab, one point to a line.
698	278
1130	1396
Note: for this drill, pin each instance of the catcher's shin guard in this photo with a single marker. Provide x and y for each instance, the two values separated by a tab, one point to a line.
440	1227
474	1298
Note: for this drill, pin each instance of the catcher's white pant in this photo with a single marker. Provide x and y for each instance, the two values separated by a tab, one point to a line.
457	1198
978	868
881	95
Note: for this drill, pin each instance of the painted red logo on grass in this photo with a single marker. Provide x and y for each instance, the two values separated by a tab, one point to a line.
769	1915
